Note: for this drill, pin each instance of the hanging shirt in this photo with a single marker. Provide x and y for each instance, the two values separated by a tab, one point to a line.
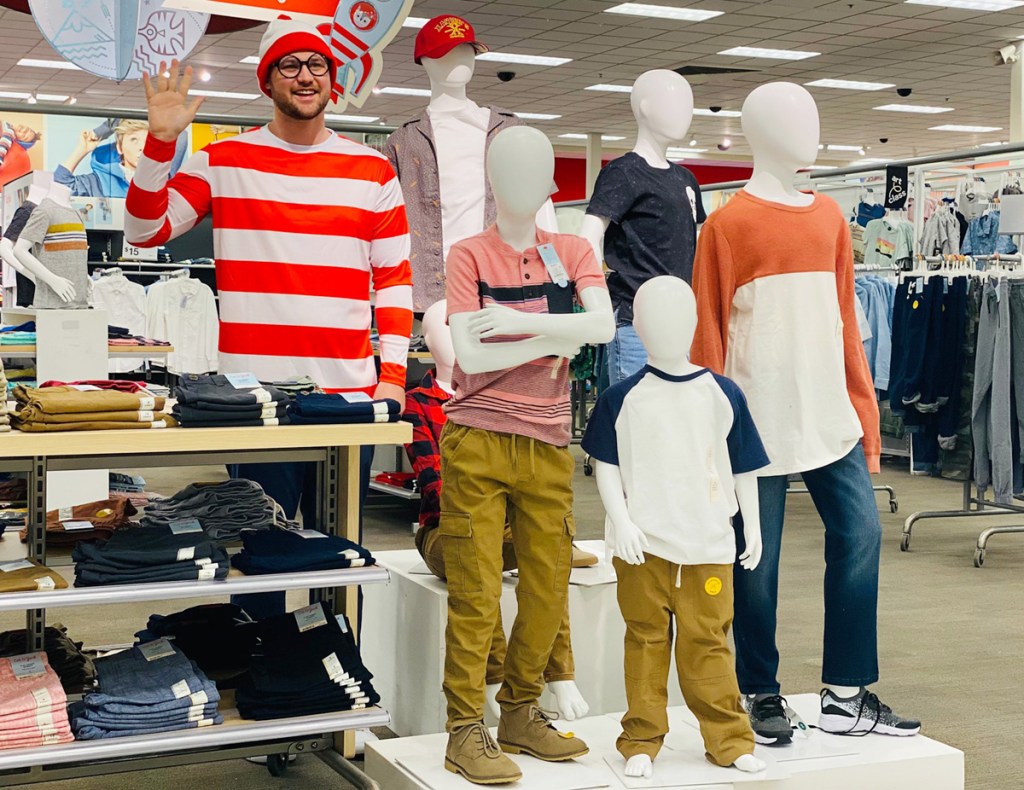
26	289
125	303
184	311
888	244
983	237
776	314
58	239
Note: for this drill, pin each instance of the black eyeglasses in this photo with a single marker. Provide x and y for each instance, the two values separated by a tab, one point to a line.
290	67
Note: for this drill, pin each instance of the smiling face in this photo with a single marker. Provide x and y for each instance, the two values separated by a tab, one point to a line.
25	134
303	97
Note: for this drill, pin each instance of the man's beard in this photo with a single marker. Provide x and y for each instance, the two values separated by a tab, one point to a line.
286	105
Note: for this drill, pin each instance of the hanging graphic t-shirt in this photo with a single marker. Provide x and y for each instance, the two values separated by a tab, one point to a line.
26	289
57	234
654	214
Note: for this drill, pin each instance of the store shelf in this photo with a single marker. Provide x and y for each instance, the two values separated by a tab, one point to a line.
398	491
161	591
231	732
134	351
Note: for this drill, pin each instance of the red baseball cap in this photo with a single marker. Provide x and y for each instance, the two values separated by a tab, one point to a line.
442	34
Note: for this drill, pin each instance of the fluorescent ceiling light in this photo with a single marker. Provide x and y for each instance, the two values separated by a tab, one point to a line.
224	94
719	114
48	64
608	138
819	167
663	12
610	88
921	108
972	5
526	60
954	127
395	91
771	54
52	97
415	21
871	160
989	145
683	152
352	118
14	95
845	147
537	116
852	85
250	60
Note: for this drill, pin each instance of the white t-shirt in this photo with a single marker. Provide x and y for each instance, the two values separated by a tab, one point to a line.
678	441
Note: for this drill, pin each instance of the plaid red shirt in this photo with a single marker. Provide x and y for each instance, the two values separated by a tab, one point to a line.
423	408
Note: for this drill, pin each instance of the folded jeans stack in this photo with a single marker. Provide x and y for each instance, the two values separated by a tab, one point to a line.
291	551
72	409
75	669
33	706
213	401
294	386
27	575
321	408
90	521
223	510
149	554
307	663
146	689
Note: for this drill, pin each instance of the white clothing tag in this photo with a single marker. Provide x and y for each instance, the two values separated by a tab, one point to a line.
72	526
308	533
381	418
242	381
45	723
199	698
158	424
203	561
262	396
310	617
160	648
341	621
49	740
207	572
86	387
147	416
182	526
380	408
356	397
28	665
333	666
65	513
272	421
205	723
553	264
195	713
42	697
45	583
180	690
186	553
269	412
15	565
351	554
146	403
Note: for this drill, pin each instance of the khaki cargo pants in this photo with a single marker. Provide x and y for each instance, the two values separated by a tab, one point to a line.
490	478
698	599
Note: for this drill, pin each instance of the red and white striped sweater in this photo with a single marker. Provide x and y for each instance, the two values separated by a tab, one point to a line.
299	234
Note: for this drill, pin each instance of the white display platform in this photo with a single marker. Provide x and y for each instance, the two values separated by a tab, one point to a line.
403	639
822	762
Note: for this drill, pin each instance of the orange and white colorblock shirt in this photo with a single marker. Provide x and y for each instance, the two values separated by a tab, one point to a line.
300	233
776	314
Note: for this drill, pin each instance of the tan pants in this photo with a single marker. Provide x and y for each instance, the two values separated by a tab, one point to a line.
490	478
699	599
560	664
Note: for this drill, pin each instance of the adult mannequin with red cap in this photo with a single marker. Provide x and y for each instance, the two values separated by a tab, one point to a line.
439	156
304	221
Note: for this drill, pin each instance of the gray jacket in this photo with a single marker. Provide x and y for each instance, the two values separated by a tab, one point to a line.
414	158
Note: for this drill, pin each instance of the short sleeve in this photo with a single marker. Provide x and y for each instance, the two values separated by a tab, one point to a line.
701	214
36	227
462	281
17	223
746	452
600	440
613	197
586	271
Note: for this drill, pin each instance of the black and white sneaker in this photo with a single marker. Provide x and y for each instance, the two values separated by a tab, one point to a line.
768	719
862	714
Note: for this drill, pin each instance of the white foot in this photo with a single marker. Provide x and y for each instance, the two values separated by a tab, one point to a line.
640	765
749	764
490	696
568	700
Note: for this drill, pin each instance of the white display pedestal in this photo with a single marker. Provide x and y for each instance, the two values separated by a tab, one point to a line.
822	762
403	639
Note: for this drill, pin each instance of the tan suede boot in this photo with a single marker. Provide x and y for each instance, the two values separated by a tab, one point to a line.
473	753
528	729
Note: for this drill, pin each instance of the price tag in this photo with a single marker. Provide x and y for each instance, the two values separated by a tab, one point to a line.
309	533
147	403
269	412
147	416
45	583
207	572
310	617
183	526
333	666
152	651
187	553
28	665
65	513
242	381
15	565
341	621
356	397
74	526
180	690
553	264
132	253
199	698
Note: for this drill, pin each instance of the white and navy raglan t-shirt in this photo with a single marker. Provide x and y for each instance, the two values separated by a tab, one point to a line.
678	441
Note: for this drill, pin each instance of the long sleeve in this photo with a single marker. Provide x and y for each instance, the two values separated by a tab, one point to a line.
392	282
211	330
714	285
157	210
425	457
858	374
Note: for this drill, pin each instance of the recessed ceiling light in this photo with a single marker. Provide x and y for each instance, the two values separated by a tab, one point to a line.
537	116
832	147
48	64
224	95
921	108
395	91
972	5
205	76
719	114
663	12
610	88
852	85
954	127
526	60
415	21
684	152
771	54
693	142
352	118
608	138
250	60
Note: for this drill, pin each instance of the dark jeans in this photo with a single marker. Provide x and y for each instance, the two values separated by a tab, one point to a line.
845	501
293	485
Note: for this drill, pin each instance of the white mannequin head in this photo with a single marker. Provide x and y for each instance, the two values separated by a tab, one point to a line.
451	73
521	169
662	103
780	121
438	337
665	318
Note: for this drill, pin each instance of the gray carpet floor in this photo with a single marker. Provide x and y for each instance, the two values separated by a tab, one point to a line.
951	635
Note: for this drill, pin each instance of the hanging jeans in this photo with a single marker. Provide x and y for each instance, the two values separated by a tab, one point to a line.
843	496
991	411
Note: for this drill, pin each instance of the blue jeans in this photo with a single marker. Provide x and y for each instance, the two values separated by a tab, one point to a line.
626	354
845	501
293	486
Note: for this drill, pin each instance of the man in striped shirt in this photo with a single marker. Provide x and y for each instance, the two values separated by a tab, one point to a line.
304	223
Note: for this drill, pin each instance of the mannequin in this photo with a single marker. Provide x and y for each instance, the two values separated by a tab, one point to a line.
791	254
644	213
41	181
715	426
439	157
438	338
504	454
62	290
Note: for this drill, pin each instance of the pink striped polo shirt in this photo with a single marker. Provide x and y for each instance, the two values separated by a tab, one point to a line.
531	399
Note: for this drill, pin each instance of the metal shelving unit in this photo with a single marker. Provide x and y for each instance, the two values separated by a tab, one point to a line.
335	450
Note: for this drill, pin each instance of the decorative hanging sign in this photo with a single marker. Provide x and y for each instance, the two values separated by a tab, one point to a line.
118	39
896	187
312	11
